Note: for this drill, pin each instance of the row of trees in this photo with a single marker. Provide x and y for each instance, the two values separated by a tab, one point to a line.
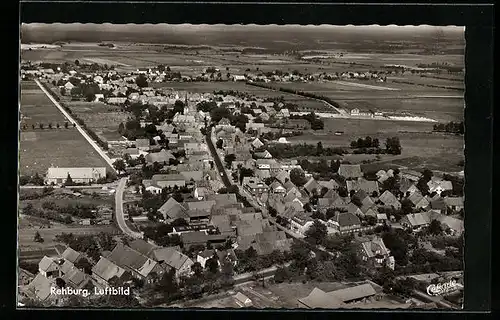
30	210
451	127
50	126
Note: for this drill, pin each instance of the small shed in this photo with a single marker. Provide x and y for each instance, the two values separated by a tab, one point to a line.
242	300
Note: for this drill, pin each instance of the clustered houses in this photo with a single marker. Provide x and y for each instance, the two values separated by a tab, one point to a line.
138	259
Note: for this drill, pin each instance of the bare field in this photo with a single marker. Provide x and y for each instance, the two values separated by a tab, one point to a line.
61	148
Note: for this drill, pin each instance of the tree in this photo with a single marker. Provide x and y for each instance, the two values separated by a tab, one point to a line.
427	175
219	144
319	149
212	265
77	63
422	186
41	126
179	107
84	265
317	232
298	177
178	222
393	146
119	165
229	158
141	81
38	237
435	227
197	269
69	180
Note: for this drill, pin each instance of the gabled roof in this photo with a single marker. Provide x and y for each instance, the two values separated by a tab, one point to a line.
350	171
332	194
171	257
173	209
40	287
127	257
346	219
362	184
354	293
71	255
257	143
311	184
454	201
200	205
282	175
142	246
47	264
388	199
106	269
376	244
331	184
318	299
418	219
168	177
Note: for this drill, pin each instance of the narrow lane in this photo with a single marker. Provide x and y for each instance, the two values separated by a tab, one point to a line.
120	214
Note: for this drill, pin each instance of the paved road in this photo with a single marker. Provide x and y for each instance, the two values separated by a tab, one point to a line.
80	129
120	214
218	162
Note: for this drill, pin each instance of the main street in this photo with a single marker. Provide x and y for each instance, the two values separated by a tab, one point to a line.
78	127
250	198
120	214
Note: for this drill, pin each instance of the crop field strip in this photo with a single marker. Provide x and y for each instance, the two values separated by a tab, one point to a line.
42	148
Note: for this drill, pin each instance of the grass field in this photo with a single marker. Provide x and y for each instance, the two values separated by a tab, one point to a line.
420	147
39	149
101	118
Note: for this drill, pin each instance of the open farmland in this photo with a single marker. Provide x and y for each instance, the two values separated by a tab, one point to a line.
42	148
435	103
420	147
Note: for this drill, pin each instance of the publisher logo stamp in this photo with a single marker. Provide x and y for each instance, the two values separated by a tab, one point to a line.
442	288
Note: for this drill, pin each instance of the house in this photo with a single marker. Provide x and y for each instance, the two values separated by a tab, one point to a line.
169	180
276	187
172	258
330	185
345	222
418	200
301	225
257	143
416	220
190	239
354	209
227	256
254	186
282	176
142	246
40	288
362	184
242	300
133	153
99	97
264	116
312	186
350	171
376	253
162	157
139	265
172	210
105	270
48	268
68	86
263	155
390	200
142	144
78	175
71	255
74	277
439	186
454	203
284	113
406	185
205	205
456	226
238	78
151	186
318	299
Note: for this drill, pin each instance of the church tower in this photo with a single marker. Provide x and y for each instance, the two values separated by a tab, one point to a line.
186	105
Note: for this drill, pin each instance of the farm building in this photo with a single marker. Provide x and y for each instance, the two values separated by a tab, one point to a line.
78	175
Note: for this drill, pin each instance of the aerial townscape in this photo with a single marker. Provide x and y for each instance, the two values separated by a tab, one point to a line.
181	166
